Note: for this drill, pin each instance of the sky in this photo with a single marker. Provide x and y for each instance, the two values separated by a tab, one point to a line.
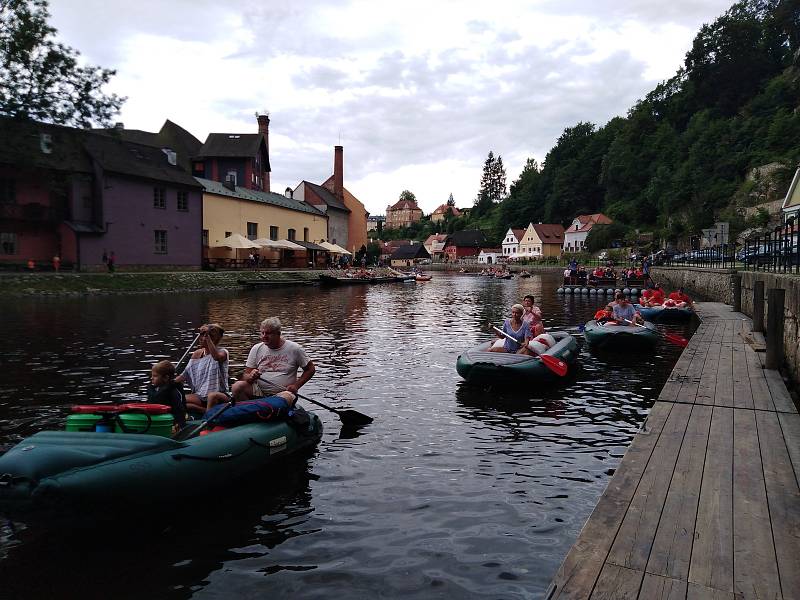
417	92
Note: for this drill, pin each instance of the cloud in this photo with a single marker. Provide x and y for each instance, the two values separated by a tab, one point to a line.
417	92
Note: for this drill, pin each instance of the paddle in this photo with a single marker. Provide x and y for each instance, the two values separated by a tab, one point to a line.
557	366
670	337
189	349
190	432
349	417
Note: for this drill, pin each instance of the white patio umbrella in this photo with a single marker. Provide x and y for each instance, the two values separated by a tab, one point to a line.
334	248
289	245
236	241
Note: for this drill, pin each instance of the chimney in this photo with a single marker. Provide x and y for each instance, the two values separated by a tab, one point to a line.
119	125
338	173
263	128
230	183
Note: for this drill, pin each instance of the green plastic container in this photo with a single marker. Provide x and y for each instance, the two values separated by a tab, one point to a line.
82	422
141	423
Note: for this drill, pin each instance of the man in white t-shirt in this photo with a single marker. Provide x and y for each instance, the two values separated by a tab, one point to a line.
272	365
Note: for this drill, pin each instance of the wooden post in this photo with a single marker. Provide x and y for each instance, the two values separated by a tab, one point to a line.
774	358
737	292
758	305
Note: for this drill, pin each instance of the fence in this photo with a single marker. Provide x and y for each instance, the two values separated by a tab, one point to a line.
775	251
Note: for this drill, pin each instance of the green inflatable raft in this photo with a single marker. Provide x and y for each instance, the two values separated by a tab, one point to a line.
59	469
621	337
479	366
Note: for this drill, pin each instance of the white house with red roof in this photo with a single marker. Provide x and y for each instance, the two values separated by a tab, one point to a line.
575	234
511	242
435	245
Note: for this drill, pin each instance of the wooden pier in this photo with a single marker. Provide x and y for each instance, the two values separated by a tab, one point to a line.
705	503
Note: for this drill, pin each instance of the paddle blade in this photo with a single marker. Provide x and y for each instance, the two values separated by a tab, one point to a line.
676	339
556	365
354	418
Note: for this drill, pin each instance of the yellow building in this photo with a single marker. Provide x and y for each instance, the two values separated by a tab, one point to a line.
255	214
402	214
541	240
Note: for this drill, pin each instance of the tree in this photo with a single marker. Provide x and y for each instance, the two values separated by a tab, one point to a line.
406	195
450	201
40	78
493	185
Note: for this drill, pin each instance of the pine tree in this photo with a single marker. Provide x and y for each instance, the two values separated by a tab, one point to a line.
450	201
40	78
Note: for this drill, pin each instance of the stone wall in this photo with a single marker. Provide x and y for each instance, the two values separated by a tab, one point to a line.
717	285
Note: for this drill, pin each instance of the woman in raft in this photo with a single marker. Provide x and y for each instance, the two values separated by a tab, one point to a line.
516	328
678	299
653	296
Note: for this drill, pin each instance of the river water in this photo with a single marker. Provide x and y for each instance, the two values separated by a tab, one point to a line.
453	492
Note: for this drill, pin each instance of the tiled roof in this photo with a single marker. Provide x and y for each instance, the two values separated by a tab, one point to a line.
442	209
468	238
231	145
436	237
550	233
22	145
404	204
171	136
410	251
518	233
215	187
327	196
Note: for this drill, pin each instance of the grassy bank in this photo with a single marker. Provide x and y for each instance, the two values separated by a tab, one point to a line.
54	284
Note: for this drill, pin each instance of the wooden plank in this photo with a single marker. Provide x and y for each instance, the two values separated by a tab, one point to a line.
576	576
711	564
754	563
617	583
635	537
700	592
742	393
672	546
723	393
783	496
656	587
790	424
706	389
762	397
780	395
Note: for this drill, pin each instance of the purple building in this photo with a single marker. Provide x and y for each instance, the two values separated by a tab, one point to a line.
83	194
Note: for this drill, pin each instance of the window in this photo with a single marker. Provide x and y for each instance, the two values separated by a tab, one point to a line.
273	232
231	176
183	200
305	234
290	235
8	243
159	198
205	237
160	239
8	193
252	231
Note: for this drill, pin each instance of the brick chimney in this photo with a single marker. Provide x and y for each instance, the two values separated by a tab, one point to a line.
263	128
338	173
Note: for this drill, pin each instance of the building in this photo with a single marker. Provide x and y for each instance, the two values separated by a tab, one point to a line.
542	240
83	194
402	214
491	256
575	234
375	223
357	219
242	158
441	212
256	215
435	245
791	203
464	244
511	242
409	255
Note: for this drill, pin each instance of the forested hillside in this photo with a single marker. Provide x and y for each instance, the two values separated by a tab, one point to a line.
677	160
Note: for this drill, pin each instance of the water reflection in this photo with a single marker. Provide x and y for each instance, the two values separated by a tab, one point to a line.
453	491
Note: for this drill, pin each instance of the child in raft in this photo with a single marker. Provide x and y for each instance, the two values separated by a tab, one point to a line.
163	389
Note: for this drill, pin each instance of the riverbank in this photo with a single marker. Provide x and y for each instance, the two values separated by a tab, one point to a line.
57	284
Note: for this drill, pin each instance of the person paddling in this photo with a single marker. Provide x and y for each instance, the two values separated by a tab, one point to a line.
623	310
272	365
516	328
206	374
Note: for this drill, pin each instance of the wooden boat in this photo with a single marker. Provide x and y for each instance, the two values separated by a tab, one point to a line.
423	277
665	314
480	366
621	337
62	469
331	280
